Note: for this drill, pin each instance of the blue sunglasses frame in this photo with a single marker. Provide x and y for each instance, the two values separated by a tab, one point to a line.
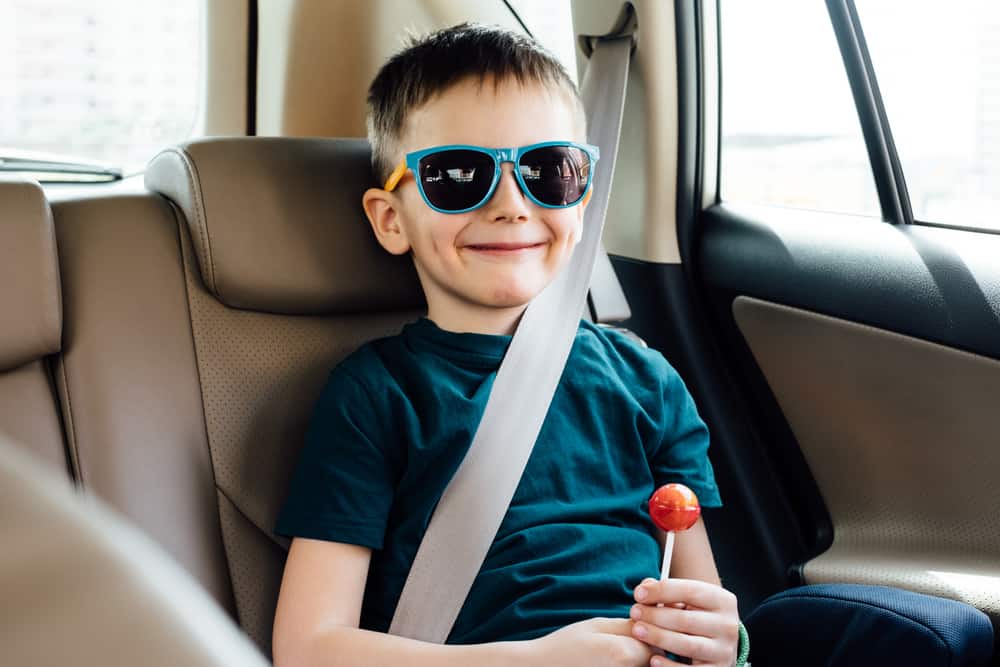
411	162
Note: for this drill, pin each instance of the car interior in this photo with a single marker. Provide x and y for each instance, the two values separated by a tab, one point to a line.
166	333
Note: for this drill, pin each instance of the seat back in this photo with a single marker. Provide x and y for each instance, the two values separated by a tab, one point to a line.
128	379
73	556
31	303
204	323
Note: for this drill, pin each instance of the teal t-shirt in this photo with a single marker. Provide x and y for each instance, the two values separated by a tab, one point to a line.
398	415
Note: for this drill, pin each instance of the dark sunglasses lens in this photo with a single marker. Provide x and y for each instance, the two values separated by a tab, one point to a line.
556	175
454	180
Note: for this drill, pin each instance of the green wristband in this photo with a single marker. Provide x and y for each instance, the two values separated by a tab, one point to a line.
744	650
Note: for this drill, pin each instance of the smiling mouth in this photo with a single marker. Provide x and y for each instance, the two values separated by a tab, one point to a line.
503	247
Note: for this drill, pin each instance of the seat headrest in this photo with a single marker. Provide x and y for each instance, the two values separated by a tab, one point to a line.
277	224
30	296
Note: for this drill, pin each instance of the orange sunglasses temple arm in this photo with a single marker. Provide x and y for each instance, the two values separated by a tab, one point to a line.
395	176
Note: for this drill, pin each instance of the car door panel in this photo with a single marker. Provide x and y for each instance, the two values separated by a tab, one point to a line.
880	345
900	436
938	284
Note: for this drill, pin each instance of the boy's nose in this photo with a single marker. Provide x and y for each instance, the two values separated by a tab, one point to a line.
507	202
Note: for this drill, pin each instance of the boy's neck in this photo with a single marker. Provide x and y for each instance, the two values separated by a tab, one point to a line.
482	320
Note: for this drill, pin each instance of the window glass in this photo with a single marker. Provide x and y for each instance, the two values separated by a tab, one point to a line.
790	131
938	68
551	23
110	81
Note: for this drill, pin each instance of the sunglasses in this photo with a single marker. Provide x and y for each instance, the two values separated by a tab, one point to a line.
460	178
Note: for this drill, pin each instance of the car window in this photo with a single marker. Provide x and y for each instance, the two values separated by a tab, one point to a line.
108	81
938	69
551	23
790	131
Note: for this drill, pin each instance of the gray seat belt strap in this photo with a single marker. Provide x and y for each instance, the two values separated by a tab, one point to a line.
465	521
607	298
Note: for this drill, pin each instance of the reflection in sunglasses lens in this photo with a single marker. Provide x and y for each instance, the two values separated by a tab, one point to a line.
455	180
555	175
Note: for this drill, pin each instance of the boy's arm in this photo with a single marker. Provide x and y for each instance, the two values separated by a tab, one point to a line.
319	611
692	557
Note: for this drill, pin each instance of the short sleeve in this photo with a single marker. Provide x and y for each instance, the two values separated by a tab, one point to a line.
342	487
682	454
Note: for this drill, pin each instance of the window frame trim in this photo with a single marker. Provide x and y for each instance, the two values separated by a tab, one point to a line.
893	195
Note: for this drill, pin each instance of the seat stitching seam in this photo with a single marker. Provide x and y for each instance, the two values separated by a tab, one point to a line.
227	549
197	212
247	517
55	274
194	181
203	217
74	448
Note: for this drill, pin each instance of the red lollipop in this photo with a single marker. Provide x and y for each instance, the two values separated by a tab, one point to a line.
673	507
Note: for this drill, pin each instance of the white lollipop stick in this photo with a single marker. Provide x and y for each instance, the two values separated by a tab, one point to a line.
668	550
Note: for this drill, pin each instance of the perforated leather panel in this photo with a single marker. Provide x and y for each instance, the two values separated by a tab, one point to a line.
903	438
256	564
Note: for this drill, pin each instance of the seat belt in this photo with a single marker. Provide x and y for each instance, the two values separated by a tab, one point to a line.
465	521
607	298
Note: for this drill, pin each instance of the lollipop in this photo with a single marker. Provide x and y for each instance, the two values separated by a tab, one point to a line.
673	507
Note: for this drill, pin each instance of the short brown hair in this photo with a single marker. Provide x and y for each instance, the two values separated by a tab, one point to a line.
430	65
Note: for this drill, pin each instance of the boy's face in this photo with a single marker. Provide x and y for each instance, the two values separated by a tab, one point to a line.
463	282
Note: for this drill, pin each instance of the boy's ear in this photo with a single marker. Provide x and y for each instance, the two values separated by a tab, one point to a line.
382	209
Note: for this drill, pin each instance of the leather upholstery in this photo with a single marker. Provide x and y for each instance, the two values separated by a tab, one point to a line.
184	412
31	326
28	413
29	276
261	374
128	378
78	586
278	227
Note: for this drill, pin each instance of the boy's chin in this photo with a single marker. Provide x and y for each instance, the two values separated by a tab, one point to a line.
511	299
506	305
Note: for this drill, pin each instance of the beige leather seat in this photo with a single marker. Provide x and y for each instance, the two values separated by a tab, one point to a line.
200	327
80	587
31	328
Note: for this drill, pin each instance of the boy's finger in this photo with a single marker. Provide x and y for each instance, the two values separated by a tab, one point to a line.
687	621
678	605
697	648
691	592
664	661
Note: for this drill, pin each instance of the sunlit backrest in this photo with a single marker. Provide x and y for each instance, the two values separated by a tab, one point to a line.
30	321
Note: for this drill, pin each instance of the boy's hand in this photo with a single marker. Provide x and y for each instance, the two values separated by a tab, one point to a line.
698	620
595	642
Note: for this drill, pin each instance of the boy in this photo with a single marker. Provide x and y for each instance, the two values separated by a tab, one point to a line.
561	582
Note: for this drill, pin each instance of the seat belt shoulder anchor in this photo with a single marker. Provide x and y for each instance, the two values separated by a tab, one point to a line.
626	25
